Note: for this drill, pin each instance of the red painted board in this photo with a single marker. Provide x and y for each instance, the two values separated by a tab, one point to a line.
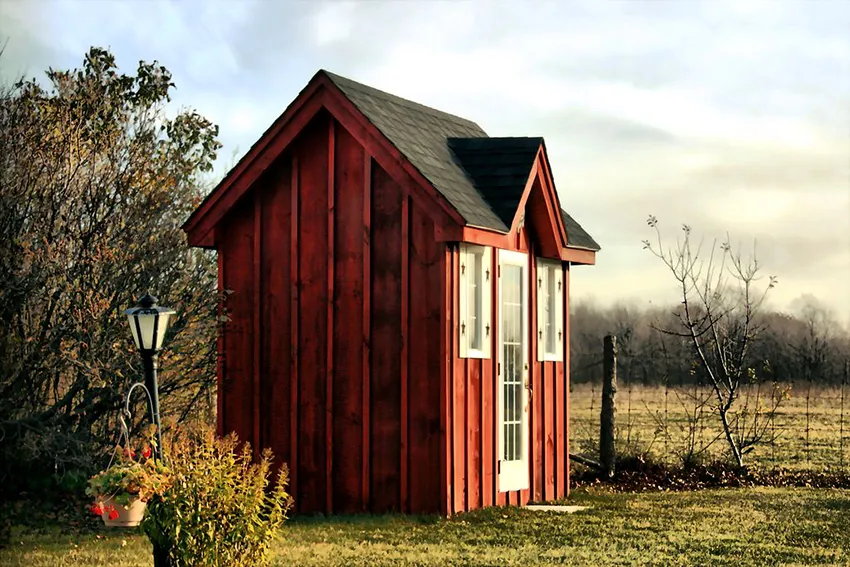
549	430
237	252
425	329
348	325
256	261
404	370
385	386
294	314
220	366
459	404
329	349
560	432
312	268
446	376
473	435
366	357
275	328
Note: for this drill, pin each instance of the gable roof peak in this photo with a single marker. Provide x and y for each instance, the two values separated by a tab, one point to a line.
451	153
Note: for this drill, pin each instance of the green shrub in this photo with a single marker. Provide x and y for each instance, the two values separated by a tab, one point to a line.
220	508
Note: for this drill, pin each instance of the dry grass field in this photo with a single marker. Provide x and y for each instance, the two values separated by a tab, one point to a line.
810	427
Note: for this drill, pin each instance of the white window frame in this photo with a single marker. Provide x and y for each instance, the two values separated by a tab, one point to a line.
550	292
474	322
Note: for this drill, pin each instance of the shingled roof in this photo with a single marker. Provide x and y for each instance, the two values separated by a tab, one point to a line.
499	169
577	237
482	177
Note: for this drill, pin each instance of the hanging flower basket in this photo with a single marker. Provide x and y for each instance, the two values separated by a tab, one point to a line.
116	515
123	489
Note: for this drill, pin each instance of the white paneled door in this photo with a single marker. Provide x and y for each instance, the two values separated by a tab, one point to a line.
512	355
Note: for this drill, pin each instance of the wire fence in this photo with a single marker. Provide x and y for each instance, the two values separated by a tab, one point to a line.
676	420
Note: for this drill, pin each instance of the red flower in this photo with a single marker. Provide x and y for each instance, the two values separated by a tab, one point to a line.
129	452
96	509
113	514
147	452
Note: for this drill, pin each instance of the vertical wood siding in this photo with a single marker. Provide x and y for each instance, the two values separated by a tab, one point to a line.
348	323
335	273
341	350
471	408
276	331
237	381
312	155
425	333
385	387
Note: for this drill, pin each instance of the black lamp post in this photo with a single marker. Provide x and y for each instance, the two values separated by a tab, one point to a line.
148	323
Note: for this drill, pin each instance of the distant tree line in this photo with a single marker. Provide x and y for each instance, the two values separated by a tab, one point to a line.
808	344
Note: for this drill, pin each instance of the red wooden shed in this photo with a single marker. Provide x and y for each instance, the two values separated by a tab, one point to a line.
399	305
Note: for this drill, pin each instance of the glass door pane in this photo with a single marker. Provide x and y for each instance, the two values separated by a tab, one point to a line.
512	362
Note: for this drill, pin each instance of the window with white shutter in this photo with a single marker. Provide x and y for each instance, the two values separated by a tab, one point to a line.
476	280
550	307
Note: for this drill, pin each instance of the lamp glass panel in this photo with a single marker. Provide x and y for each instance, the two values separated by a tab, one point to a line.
146	324
161	328
132	320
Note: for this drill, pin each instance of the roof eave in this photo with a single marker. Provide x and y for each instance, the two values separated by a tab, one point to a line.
578	256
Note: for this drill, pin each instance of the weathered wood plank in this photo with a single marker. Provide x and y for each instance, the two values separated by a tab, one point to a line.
275	406
405	337
313	338
387	343
367	327
348	325
425	330
560	431
237	252
256	440
538	441
294	314
458	402
329	355
446	379
473	434
220	364
549	430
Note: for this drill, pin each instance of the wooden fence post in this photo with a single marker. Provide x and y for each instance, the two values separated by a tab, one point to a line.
607	454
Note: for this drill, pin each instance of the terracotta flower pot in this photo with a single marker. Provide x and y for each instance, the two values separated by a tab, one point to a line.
128	516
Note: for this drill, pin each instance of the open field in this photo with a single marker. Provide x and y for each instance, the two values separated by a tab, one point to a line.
811	426
732	526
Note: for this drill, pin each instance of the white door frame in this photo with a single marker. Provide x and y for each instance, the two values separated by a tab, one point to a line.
513	474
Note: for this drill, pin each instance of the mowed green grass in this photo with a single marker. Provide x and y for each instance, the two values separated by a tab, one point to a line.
730	526
812	429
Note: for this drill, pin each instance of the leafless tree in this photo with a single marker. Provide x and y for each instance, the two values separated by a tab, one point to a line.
722	296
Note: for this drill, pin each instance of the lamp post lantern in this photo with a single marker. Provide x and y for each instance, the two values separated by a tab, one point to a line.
148	323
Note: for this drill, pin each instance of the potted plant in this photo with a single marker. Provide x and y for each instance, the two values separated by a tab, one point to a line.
122	490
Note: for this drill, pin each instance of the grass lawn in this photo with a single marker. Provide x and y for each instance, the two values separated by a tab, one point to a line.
729	526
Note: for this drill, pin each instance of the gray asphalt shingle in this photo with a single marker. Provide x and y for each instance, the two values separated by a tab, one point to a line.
481	177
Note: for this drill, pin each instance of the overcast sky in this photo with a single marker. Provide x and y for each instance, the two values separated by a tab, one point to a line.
725	115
